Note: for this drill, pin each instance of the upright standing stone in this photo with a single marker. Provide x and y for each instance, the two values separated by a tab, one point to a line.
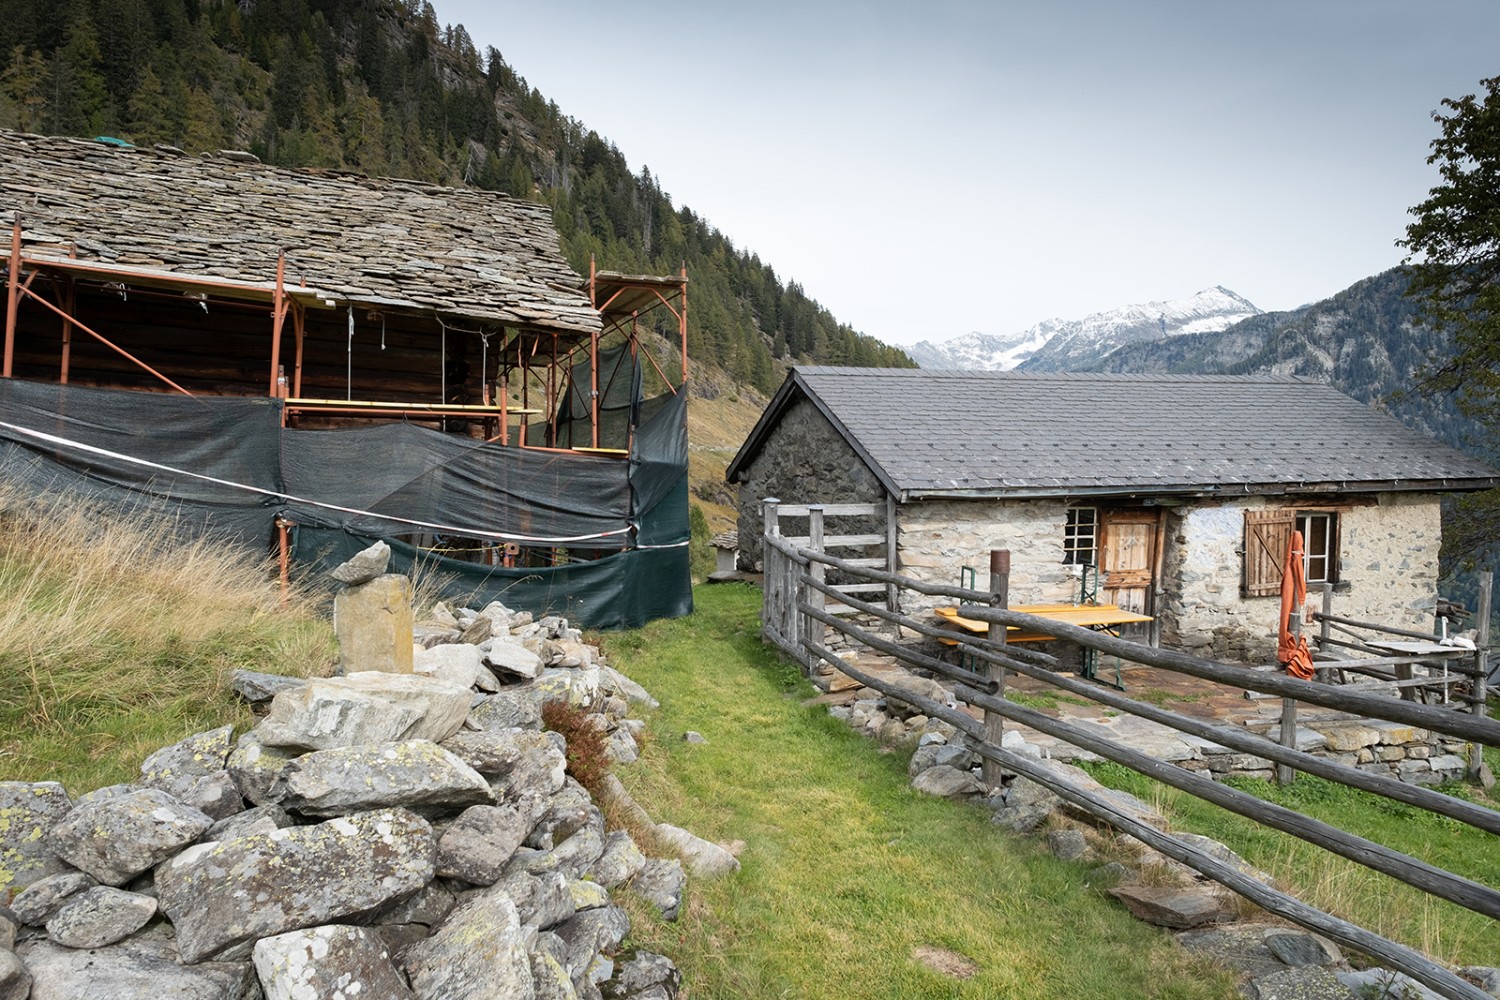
373	622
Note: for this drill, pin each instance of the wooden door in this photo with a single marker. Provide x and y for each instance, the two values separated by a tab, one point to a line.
1127	562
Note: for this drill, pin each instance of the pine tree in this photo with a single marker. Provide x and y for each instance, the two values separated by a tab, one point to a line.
23	97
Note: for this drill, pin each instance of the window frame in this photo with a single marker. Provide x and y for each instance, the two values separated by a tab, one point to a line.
1267	531
1072	532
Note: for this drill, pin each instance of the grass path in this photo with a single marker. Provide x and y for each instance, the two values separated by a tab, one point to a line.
846	869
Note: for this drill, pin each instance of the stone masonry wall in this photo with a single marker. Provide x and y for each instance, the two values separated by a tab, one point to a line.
1388	570
805	460
936	538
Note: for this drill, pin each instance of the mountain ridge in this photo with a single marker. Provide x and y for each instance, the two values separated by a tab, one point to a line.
1060	344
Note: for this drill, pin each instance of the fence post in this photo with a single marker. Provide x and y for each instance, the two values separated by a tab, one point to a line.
892	592
1482	662
1285	775
815	629
994	724
770	610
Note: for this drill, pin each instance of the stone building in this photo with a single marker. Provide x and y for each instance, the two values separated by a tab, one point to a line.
1178	492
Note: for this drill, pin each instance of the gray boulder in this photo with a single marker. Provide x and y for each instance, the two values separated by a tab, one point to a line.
495	753
661	883
215	795
254	767
622	748
100	916
550	980
592	933
115	839
572	857
947	782
335	961
517	707
542	901
454	663
261	819
257	687
479	953
621	861
618	683
646	971
702	858
1174	906
173	769
428	907
513	658
364	708
416	774
37	903
569	809
477	846
143	967
15	981
27	811
364	566
222	896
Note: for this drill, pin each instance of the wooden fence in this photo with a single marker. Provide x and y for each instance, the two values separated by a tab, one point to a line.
796	617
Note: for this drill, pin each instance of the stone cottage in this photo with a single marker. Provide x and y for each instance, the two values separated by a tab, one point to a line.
1178	492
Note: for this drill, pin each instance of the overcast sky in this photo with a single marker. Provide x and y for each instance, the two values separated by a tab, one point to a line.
930	169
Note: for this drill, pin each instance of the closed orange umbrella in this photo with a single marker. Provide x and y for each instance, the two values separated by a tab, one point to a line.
1292	651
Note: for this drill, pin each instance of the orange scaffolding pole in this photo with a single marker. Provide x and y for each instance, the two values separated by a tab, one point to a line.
278	317
12	300
682	322
103	340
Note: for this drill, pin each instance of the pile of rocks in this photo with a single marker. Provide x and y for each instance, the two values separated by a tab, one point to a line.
376	835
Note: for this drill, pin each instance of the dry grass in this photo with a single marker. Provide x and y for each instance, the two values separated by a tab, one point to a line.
117	636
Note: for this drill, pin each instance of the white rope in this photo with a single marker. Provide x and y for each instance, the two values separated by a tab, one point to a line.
53	439
349	362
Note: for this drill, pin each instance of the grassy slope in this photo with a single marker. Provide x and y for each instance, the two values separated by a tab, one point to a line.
846	869
716	429
113	644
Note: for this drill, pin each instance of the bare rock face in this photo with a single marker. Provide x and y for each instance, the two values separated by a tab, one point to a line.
15	981
116	838
364	708
254	767
222	896
479	953
100	916
417	774
373	623
27	811
143	967
477	845
176	767
332	961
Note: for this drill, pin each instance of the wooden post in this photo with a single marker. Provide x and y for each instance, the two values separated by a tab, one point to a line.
813	629
1482	662
892	592
1325	631
283	557
770	581
12	297
278	317
994	724
1285	775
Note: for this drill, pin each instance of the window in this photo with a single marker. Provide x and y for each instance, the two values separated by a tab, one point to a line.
1321	557
1267	533
1081	536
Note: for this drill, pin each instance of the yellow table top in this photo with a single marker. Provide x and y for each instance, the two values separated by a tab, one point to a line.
1083	615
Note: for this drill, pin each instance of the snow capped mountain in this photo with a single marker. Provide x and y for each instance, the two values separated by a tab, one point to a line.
1059	344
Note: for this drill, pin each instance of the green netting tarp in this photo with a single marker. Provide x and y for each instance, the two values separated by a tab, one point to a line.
225	466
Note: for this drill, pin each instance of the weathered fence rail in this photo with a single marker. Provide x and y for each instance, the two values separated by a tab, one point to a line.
795	619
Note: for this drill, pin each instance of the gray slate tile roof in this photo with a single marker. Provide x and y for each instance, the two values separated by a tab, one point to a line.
997	432
396	243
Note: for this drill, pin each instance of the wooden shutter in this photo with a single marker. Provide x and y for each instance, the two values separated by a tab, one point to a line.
1266	535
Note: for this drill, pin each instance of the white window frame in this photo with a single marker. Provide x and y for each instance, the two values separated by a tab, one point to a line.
1330	551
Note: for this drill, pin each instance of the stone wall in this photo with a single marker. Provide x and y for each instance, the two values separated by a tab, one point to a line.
1388	570
805	460
936	538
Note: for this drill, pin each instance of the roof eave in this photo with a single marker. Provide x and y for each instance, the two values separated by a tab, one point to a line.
1464	485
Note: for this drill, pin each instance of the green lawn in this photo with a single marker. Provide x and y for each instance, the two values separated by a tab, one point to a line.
846	869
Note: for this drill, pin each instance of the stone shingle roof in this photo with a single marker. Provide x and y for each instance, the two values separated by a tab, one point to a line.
393	243
987	433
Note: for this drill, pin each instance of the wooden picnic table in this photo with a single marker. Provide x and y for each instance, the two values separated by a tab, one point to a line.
1095	616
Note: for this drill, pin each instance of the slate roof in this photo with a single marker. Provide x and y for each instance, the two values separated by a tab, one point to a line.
1008	433
392	243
